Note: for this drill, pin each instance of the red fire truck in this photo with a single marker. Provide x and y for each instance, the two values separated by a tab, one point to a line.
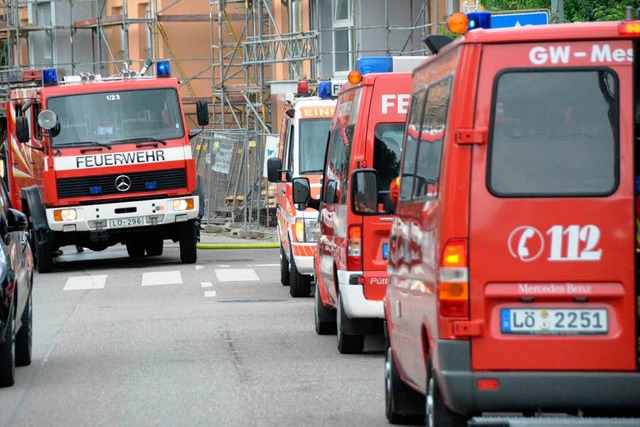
98	161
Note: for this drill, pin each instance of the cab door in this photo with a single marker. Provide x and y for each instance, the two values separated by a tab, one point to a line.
551	239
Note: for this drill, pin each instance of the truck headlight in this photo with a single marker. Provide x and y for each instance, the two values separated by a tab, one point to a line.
60	215
311	230
180	205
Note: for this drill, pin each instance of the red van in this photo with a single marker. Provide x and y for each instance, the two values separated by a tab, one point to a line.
351	259
513	283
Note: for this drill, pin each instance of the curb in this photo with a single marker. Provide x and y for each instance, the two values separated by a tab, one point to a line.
257	245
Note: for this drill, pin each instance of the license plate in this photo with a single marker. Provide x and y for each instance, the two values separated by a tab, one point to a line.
552	321
127	222
385	250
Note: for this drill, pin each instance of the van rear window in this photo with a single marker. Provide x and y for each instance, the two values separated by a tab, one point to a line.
554	133
386	152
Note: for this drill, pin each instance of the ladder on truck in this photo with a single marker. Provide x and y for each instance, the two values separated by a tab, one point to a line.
17	79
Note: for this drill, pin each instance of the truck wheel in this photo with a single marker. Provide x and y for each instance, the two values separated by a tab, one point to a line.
438	414
284	268
325	319
135	249
7	352
24	335
300	284
403	405
44	257
154	247
188	242
347	344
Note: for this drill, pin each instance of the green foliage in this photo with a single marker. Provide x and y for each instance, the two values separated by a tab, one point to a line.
574	10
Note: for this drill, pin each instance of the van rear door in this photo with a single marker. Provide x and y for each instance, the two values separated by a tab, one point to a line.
551	237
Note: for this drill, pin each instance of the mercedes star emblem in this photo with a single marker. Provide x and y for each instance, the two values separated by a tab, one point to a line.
123	183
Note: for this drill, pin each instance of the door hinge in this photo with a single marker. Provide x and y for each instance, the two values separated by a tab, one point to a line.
468	328
471	136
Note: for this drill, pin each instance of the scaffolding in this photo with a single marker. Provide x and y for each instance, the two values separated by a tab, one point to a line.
251	45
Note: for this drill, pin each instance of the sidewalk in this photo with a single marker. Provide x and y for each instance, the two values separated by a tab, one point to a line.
235	237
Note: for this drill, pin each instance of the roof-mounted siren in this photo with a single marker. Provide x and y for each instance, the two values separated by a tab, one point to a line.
303	88
87	77
383	64
163	69
49	77
329	89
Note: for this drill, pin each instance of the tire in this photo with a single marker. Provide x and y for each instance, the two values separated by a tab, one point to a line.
300	284
325	319
154	247
437	412
347	344
7	353
284	268
24	336
44	257
188	242
403	405
135	250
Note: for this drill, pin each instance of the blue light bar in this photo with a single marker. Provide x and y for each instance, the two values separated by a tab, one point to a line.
94	191
479	20
374	64
49	77
152	185
324	90
163	69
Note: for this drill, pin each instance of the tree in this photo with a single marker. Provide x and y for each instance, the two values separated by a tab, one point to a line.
574	10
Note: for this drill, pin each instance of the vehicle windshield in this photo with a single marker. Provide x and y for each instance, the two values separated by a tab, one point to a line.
314	136
117	116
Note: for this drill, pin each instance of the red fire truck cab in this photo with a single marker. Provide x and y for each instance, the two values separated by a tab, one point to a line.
98	161
513	272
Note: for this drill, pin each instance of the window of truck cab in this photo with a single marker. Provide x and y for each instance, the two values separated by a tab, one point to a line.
554	133
117	116
313	144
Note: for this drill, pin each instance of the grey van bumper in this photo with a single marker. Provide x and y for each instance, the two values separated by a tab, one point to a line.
529	390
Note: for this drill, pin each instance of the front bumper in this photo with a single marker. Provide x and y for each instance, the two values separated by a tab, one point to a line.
122	215
523	390
355	304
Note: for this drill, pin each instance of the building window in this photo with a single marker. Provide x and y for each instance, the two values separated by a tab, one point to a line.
342	36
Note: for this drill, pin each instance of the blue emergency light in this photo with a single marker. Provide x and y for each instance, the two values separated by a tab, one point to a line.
479	20
324	90
151	185
163	69
49	77
95	190
374	64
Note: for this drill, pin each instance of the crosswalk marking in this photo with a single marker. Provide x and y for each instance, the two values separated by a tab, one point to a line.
161	278
263	265
209	294
206	284
237	275
77	283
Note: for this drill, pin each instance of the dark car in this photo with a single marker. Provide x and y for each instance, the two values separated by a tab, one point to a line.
16	282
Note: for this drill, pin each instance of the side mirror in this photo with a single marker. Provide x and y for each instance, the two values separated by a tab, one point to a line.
301	192
22	129
202	111
291	112
16	220
364	200
274	169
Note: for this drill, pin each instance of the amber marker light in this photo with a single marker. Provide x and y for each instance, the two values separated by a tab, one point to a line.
629	28
354	77
458	23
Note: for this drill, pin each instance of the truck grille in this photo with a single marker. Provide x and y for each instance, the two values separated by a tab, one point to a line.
96	186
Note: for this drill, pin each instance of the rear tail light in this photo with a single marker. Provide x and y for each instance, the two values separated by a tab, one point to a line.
453	287
354	248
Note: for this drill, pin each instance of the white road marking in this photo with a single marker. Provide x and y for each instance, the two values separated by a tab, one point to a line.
206	284
263	265
161	278
221	266
76	283
210	294
199	267
237	275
